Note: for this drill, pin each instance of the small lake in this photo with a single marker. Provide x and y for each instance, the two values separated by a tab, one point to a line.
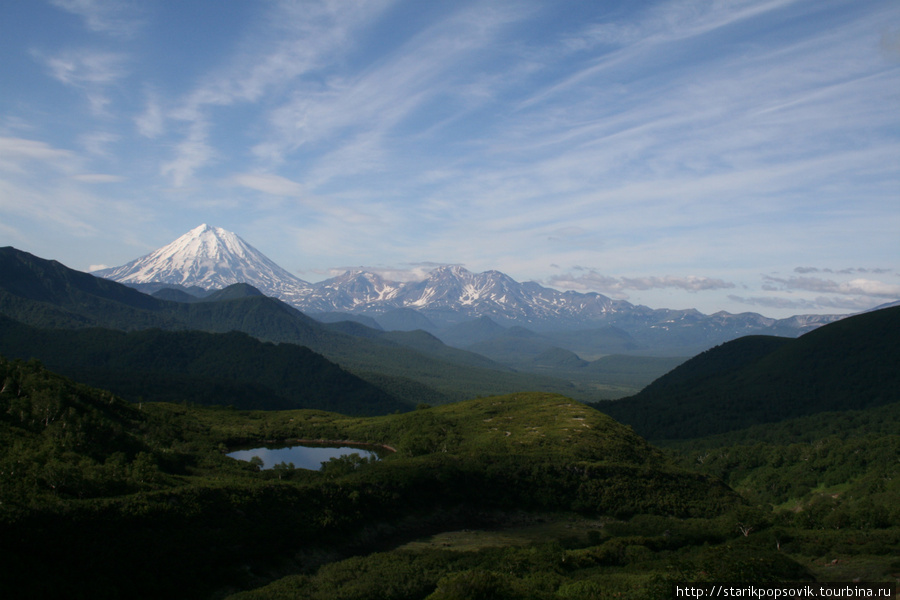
303	456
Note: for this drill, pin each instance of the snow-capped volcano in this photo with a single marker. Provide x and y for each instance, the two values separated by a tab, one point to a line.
210	257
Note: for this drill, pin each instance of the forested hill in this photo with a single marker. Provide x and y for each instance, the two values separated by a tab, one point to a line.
850	364
197	367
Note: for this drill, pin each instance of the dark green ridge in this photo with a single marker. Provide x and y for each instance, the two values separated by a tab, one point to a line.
853	363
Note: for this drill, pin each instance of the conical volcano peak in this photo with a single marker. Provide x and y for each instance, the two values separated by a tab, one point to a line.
209	257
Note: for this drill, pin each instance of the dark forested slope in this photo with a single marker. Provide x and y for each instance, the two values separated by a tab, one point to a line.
850	364
197	367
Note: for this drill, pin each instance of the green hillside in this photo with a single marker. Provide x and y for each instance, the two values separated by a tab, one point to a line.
850	364
516	496
853	453
829	483
88	479
198	368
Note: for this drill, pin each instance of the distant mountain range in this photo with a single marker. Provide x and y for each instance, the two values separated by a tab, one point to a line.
409	367
170	349
208	257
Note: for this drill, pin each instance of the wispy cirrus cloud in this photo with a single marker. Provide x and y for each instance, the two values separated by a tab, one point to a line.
83	67
16	152
97	142
151	122
269	183
354	122
619	45
90	71
119	18
291	40
191	153
98	178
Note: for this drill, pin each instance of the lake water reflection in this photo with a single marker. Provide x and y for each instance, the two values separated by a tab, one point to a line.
303	457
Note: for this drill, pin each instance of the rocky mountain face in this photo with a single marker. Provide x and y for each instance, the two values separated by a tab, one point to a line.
209	257
453	294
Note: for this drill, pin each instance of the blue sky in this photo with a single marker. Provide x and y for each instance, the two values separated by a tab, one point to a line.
739	155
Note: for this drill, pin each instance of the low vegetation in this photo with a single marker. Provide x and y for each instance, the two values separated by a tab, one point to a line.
549	499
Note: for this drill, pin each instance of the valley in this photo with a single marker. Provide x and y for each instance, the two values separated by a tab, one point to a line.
527	463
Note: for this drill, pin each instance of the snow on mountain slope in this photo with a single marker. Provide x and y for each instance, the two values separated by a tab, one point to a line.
210	257
452	294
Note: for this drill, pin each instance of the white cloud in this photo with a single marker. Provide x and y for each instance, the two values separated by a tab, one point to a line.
192	153
98	178
83	67
15	152
90	71
669	21
151	123
294	39
96	142
855	287
592	280
270	184
120	18
357	114
804	304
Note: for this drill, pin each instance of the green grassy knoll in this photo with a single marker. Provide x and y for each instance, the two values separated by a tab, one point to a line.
524	425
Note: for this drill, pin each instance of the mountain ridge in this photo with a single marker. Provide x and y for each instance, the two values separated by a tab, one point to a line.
447	296
46	294
205	368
